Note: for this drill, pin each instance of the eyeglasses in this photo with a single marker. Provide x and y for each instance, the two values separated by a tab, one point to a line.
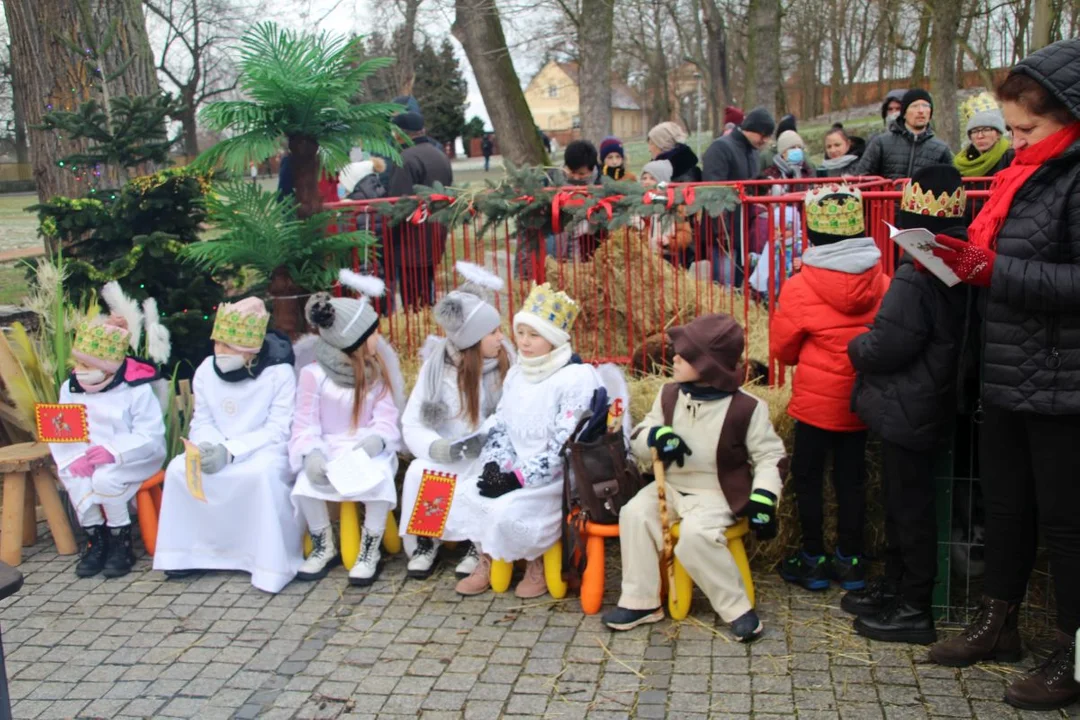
982	131
919	106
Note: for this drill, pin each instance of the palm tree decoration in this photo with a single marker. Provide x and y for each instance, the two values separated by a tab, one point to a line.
302	88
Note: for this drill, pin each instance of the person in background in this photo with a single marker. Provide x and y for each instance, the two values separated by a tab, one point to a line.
909	144
655	173
1024	254
989	151
733	118
673	238
786	123
613	158
487	147
842	151
890	106
667	141
789	162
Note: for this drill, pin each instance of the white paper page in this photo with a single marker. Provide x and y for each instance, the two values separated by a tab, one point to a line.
919	243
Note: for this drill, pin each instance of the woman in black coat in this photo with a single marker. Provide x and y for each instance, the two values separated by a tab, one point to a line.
1025	254
667	141
908	366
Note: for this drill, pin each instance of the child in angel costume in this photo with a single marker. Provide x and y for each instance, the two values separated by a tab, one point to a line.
515	508
345	434
244	399
447	415
125	446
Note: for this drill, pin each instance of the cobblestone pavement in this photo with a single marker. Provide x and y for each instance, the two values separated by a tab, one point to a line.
214	647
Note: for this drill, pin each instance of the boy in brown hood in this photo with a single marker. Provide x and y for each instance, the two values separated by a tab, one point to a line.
723	460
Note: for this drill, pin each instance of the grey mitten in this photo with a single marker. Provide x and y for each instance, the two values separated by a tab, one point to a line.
315	468
442	451
372	445
213	457
472	447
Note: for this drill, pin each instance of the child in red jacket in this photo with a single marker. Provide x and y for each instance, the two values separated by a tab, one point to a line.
833	299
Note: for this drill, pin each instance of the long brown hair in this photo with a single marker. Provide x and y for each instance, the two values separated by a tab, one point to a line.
365	362
470	376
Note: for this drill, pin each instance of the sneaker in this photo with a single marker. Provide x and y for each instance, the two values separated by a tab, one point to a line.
622	619
366	569
747	627
424	558
871	600
121	556
468	563
97	547
534	584
479	581
809	571
323	554
849	572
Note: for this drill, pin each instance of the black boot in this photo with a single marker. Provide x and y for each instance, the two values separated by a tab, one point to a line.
121	556
900	622
93	557
878	594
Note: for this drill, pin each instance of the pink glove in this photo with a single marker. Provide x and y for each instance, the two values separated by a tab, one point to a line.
98	455
82	467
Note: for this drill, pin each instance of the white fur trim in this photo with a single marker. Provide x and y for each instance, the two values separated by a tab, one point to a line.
364	284
481	276
120	304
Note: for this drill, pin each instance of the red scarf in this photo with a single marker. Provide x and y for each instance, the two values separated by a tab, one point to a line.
985	228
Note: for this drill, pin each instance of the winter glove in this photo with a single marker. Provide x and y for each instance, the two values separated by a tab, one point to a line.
81	468
469	448
504	483
315	467
490	473
441	451
670	448
373	445
973	265
98	455
213	457
762	513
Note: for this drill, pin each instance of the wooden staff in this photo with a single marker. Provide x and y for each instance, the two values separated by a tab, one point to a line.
667	557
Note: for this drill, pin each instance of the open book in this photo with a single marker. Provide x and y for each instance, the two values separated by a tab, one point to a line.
920	244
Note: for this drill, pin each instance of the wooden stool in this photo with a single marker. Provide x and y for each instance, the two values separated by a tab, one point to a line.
18	524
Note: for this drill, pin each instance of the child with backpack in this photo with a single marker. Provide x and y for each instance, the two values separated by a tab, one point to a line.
833	299
515	508
723	459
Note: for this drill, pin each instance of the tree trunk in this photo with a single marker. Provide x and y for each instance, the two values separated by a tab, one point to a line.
836	76
922	45
405	68
716	44
1043	25
22	148
189	122
52	77
943	80
763	68
478	28
594	78
287	307
304	152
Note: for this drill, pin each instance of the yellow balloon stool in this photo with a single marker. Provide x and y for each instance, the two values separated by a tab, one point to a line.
679	603
503	570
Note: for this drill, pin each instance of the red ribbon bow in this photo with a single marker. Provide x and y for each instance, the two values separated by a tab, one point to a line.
564	198
606	204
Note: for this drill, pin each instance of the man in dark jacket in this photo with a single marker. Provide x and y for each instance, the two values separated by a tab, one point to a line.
909	144
731	158
487	147
415	250
906	391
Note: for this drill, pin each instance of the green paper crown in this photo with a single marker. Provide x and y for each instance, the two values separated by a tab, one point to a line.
835	210
101	341
234	327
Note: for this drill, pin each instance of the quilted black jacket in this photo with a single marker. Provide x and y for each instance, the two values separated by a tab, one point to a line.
899	153
1031	360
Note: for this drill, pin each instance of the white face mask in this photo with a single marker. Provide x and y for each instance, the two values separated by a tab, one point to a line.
90	377
891	117
229	363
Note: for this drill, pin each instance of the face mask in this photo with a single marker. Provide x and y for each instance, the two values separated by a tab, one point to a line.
229	363
90	377
892	117
341	192
795	156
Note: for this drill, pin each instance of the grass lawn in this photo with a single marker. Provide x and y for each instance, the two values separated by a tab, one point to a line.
18	228
12	283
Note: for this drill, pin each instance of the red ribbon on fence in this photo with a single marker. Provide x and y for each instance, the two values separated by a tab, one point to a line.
688	195
421	214
606	204
564	198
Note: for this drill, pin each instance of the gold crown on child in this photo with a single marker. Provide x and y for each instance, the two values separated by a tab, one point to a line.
244	329
917	201
835	209
101	341
553	306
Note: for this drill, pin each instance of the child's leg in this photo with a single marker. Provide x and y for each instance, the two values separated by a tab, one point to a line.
91	516
911	500
640	541
849	482
808	470
703	551
375	517
117	513
316	516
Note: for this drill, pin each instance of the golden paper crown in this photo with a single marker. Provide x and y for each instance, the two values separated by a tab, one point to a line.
102	341
977	104
917	201
240	325
835	209
552	306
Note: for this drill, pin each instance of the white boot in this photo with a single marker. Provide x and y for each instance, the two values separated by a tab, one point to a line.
323	555
422	563
468	563
366	569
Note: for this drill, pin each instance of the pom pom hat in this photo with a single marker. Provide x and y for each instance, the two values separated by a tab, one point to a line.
241	325
549	312
344	322
466	314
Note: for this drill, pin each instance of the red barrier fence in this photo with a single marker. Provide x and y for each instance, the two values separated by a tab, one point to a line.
631	283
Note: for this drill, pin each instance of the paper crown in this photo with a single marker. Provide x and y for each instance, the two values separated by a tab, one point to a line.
240	324
102	341
976	104
917	201
835	209
552	306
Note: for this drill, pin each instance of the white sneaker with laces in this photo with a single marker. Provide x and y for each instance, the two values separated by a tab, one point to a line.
422	563
468	563
366	569
323	554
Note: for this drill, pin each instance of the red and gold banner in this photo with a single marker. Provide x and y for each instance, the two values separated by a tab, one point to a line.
432	506
61	423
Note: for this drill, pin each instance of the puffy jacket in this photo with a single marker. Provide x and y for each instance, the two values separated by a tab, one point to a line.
821	309
730	158
898	153
684	164
1031	360
423	163
908	363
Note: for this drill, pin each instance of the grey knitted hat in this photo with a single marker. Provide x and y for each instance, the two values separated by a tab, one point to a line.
986	118
466	314
344	322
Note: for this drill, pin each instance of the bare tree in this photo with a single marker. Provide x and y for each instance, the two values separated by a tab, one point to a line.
594	77
763	69
943	78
